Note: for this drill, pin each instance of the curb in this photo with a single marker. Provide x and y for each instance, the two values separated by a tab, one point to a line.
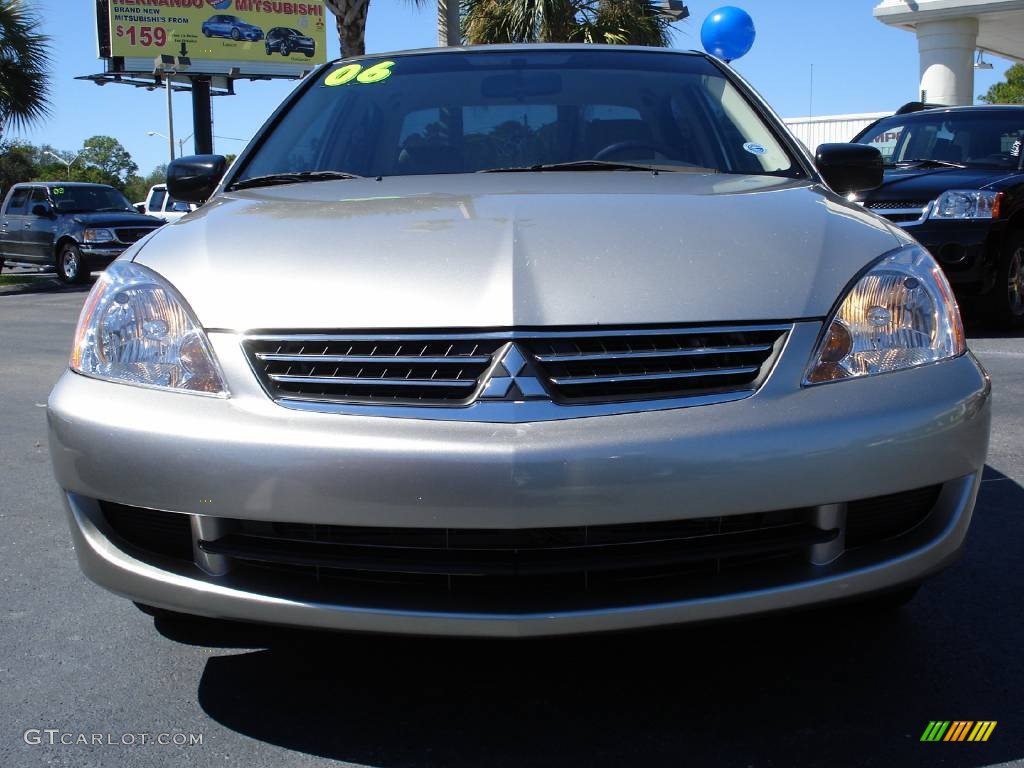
38	285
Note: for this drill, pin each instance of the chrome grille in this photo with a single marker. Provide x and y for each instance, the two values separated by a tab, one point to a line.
876	205
649	364
902	212
568	367
366	369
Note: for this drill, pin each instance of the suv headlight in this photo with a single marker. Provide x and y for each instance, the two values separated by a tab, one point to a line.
900	314
98	236
135	328
967	204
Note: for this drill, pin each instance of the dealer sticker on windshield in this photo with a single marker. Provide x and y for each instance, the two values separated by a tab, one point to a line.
754	148
357	73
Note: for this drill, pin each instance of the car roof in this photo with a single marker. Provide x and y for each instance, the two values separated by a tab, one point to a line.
966	108
64	184
523	47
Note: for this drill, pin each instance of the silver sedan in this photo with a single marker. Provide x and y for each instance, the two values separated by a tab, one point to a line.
520	341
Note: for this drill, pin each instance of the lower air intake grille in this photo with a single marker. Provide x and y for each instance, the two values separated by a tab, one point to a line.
869	521
163	533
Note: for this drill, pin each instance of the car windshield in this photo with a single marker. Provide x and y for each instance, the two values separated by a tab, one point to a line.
981	138
449	113
84	199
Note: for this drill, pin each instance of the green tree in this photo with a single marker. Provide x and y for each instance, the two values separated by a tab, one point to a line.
1011	91
138	187
17	164
632	22
113	160
24	59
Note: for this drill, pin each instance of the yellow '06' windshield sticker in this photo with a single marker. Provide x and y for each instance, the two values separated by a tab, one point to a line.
357	73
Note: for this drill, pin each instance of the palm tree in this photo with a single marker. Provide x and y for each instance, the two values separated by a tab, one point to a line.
633	22
24	55
448	26
351	20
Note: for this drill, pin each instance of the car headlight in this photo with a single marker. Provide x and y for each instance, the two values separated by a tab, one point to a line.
98	236
967	204
135	328
900	314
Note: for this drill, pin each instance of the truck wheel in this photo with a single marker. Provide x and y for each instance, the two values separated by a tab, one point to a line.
70	268
1008	294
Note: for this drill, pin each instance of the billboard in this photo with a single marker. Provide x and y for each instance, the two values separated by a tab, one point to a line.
259	37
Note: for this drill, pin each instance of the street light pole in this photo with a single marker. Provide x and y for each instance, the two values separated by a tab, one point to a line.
68	163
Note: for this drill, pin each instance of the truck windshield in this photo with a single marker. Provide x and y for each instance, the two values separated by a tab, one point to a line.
981	138
466	112
84	199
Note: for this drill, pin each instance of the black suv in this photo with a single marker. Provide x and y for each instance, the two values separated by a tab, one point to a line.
76	228
286	40
954	180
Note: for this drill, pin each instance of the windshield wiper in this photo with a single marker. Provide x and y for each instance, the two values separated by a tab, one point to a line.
930	163
599	165
272	179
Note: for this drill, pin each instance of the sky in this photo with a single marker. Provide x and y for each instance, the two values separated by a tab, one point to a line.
860	65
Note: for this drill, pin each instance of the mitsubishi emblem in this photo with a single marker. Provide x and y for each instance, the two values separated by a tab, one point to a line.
513	378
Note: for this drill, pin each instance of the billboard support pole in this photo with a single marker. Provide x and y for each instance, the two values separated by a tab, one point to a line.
202	115
170	113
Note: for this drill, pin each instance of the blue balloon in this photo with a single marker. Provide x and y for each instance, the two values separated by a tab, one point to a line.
727	33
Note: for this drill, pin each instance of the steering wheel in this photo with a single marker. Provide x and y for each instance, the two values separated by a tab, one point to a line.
619	146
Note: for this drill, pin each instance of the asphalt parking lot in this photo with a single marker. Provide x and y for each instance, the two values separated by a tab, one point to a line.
831	688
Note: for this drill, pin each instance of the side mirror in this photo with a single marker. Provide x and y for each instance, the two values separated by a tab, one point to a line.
140	207
42	209
849	168
193	179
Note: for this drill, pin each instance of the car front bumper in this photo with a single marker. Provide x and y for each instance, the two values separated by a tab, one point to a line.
967	251
100	257
246	458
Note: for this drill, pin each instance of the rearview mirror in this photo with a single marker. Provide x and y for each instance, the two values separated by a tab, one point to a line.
193	179
849	168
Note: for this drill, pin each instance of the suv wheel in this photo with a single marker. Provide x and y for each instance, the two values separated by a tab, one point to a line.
285	50
1008	294
69	265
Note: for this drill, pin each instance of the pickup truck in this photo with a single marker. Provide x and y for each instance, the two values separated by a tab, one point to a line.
163	206
73	227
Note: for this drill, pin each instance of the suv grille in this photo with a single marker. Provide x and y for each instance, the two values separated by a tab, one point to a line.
900	211
132	234
573	367
882	205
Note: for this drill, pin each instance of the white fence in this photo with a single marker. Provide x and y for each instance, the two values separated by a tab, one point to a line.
813	131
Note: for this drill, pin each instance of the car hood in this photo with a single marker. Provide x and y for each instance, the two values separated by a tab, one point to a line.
531	249
920	184
116	219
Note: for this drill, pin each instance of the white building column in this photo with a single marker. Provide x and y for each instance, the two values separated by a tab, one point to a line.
947	60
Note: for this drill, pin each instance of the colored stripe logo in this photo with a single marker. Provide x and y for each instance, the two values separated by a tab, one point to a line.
958	730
